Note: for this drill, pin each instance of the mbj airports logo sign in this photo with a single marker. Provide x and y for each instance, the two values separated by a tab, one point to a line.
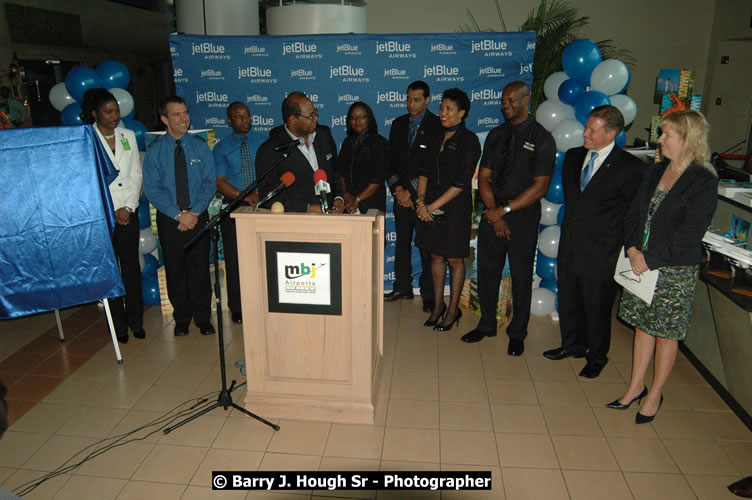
304	278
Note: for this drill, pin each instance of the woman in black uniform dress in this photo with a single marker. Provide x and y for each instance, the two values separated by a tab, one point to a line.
445	204
362	161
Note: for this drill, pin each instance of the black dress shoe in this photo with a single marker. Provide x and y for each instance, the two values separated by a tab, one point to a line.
562	353
446	328
742	488
396	295
516	347
206	328
430	322
428	306
592	370
123	339
616	405
141	334
644	419
476	336
237	317
181	329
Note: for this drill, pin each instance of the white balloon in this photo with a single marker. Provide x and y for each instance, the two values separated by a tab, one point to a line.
537	281
543	302
610	77
147	241
568	134
141	261
627	107
552	112
124	100
60	97
549	212
548	241
551	85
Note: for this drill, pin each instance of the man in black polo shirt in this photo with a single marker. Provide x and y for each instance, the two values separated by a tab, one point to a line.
518	159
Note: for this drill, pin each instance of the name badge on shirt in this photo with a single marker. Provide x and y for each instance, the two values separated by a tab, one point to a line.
528	146
126	145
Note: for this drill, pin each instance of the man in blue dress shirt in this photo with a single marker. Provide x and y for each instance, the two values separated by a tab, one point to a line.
180	181
236	169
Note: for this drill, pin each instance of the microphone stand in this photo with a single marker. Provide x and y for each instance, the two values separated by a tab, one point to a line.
224	399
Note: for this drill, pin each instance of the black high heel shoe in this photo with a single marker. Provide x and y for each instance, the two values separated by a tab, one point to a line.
644	419
446	328
616	405
435	322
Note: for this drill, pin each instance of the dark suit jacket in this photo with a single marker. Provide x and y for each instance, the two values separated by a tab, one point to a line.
403	160
681	220
593	227
297	197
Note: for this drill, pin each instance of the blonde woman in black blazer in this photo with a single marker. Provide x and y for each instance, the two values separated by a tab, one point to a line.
663	230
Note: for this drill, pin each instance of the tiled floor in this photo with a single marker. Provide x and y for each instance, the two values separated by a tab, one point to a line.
443	405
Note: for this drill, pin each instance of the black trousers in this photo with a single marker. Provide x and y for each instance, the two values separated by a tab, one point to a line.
128	311
585	303
492	254
404	226
230	245
188	281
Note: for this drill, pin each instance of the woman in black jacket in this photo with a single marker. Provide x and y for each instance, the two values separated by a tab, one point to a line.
663	230
362	161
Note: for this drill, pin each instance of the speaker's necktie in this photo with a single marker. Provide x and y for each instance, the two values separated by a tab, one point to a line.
182	191
587	172
411	133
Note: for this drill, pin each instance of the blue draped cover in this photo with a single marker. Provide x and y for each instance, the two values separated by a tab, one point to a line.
56	220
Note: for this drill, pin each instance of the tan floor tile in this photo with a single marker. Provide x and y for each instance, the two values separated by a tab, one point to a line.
620	351
533	484
511	391
98	369
304	438
497	485
45	418
133	422
170	464
526	450
700	456
244	434
595	485
118	394
94	488
740	452
674	398
261	495
289	462
470	389
686	374
347	464
647	486
119	462
468	447
518	418
199	432
545	369
164	398
584	453
194	354
415	445
571	420
679	424
389	465
507	367
142	370
93	422
621	423
381	407
410	413
560	393
75	391
5	473
711	487
642	455
454	365
184	373
57	450
420	364
599	394
412	387
228	460
46	490
724	425
461	416
355	441
702	398
164	352
139	490
416	341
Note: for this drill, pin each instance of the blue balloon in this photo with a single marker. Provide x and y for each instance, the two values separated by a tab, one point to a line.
555	192
80	79
579	59
621	139
545	267
114	74
139	129
570	90
150	290
71	114
150	265
144	217
551	285
560	215
587	102
559	160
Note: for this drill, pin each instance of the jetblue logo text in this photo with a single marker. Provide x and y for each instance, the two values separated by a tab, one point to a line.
490	48
443	73
301	50
209	50
256	74
395	49
348	73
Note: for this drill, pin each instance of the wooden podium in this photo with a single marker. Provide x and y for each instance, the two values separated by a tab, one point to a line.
306	359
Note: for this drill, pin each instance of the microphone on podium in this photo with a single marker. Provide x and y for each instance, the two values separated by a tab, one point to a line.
287	179
289	145
322	189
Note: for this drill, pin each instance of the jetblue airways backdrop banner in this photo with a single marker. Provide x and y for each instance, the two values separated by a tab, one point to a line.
336	70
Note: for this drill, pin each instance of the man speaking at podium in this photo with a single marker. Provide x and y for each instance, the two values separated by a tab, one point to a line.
311	148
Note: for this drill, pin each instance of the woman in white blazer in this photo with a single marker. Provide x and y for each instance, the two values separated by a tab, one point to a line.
100	109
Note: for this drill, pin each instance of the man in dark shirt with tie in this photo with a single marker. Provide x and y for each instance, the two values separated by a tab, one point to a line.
233	157
516	167
180	181
407	148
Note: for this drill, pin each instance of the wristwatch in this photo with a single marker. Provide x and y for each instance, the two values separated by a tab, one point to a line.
128	209
507	209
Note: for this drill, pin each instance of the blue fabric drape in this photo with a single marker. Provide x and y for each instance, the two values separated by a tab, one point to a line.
56	219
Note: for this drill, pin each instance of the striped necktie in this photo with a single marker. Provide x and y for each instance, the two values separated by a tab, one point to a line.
246	164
